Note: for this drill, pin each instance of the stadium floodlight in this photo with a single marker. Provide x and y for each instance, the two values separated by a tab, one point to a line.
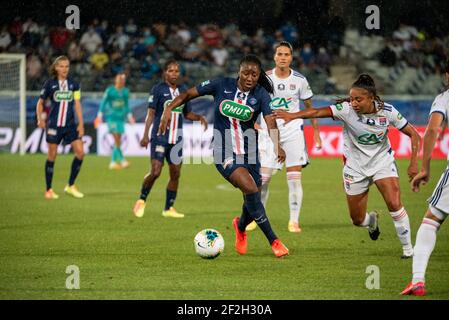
13	94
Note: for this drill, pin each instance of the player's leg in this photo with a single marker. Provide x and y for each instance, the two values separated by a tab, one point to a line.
357	188
118	142
78	149
115	156
148	182
390	190
266	174
427	235
49	169
242	179
296	158
172	189
295	195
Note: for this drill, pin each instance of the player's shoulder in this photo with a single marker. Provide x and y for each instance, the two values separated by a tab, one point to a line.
49	82
73	84
298	75
442	97
269	72
158	87
387	107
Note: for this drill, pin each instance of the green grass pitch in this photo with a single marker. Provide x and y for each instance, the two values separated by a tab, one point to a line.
122	257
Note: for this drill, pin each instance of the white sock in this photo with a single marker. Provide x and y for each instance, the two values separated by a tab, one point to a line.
266	178
294	194
402	225
425	243
367	222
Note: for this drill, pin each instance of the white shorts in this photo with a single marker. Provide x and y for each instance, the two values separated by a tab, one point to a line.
294	147
440	196
356	183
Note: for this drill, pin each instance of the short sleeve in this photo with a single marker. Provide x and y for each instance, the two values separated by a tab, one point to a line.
306	92
440	105
153	98
45	92
340	111
265	103
397	120
208	87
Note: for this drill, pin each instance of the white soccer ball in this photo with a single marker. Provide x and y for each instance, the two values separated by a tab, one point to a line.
209	243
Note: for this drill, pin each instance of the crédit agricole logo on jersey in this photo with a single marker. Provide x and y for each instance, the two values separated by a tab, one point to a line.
177	109
280	103
236	110
60	96
371	138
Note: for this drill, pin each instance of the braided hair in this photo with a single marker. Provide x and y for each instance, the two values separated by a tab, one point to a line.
365	81
263	80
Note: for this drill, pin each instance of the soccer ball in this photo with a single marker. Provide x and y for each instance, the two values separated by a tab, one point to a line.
209	243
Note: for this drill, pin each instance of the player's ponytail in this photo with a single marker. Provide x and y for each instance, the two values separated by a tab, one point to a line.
52	70
264	80
365	81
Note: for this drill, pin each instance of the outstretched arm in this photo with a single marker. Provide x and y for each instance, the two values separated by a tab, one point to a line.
304	114
196	117
184	97
430	138
316	130
410	131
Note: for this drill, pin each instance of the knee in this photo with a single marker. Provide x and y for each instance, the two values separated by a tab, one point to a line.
80	155
394	205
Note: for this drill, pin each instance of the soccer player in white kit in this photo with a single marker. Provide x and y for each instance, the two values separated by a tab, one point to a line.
439	202
290	87
368	155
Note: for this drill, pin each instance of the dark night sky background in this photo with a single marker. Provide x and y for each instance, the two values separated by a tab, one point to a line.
310	16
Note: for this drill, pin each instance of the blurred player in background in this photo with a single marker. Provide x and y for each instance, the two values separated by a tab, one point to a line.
289	88
368	155
439	201
238	103
60	126
168	146
115	107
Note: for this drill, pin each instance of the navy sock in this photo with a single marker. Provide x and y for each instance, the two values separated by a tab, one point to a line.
257	212
245	218
144	192
49	165
76	167
170	199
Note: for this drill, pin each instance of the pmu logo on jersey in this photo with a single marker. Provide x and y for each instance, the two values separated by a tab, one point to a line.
236	110
177	109
371	138
60	96
280	103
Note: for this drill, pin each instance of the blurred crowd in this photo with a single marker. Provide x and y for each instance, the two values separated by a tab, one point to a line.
100	50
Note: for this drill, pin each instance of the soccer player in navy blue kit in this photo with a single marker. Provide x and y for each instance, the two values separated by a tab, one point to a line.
60	126
168	146
238	103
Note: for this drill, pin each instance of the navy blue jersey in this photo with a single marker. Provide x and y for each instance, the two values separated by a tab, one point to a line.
235	115
161	96
62	95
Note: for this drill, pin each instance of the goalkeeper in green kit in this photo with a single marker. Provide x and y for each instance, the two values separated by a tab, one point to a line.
115	109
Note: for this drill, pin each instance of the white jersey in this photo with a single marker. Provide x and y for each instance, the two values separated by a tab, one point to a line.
441	105
365	136
288	94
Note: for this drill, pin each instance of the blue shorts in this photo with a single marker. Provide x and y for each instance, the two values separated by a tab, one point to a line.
65	134
170	152
230	165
